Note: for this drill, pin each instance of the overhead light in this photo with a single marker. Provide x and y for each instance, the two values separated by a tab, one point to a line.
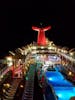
71	53
49	47
20	49
4	90
9	58
34	47
9	61
12	53
21	86
42	47
1	76
70	73
34	52
8	85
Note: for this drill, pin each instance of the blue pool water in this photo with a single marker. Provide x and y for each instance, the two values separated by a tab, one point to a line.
64	93
63	88
54	76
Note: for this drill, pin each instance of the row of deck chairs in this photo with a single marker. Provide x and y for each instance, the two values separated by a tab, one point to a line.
9	94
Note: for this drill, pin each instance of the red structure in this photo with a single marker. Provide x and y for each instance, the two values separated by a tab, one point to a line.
41	40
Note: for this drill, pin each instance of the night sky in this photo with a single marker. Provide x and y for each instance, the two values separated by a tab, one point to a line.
17	18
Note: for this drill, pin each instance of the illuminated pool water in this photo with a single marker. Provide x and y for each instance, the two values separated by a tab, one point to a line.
64	93
63	88
54	76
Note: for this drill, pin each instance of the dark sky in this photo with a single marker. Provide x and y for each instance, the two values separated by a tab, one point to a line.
17	18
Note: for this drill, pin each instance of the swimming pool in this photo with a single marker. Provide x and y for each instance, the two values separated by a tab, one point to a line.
64	89
64	93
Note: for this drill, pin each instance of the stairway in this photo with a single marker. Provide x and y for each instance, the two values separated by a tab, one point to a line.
38	94
29	87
